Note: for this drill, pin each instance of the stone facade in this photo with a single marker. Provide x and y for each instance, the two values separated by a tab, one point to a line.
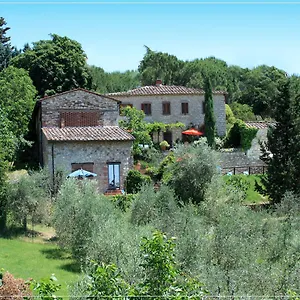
195	102
76	110
106	109
59	156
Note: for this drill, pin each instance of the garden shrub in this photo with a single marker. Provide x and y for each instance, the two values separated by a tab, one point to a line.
155	208
192	172
165	163
29	198
135	180
123	201
162	276
46	288
230	118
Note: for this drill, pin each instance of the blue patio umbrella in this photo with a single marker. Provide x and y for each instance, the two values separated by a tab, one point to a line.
80	173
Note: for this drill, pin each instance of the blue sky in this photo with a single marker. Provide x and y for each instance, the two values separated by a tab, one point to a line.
113	35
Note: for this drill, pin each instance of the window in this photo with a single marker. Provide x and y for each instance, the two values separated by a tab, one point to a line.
113	175
88	166
184	108
146	108
166	108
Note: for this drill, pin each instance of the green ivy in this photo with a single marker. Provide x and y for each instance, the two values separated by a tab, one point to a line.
240	135
247	135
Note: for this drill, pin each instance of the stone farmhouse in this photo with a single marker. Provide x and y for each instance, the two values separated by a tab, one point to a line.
79	129
171	104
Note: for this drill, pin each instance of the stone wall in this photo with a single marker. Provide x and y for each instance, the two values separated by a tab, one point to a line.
99	153
78	100
238	159
194	117
254	152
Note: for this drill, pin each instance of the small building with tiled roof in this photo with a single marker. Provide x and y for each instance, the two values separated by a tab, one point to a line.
171	104
261	137
79	129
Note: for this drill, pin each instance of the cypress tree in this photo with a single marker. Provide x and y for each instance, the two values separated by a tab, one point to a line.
209	119
281	151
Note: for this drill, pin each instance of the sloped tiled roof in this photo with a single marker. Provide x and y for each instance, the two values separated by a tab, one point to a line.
75	90
260	125
97	133
163	90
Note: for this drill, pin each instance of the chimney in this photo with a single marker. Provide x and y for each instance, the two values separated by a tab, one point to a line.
158	82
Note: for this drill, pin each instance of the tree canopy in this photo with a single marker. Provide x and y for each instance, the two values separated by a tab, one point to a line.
17	99
281	151
55	65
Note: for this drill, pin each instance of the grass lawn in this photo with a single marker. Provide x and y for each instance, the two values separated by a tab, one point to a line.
252	195
30	259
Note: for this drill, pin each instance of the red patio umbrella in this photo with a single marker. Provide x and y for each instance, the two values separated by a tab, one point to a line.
193	131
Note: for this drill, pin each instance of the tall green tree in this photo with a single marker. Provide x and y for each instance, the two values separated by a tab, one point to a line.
209	118
160	65
260	87
281	151
4	40
55	65
17	99
5	46
195	72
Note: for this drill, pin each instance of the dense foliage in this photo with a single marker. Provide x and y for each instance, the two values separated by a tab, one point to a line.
55	65
135	180
281	152
254	253
192	172
255	87
134	123
104	82
17	99
242	111
162	277
209	118
240	135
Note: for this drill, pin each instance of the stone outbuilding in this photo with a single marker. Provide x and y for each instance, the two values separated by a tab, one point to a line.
79	129
171	104
261	137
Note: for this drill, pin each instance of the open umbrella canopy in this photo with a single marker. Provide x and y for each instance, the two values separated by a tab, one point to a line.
193	131
80	173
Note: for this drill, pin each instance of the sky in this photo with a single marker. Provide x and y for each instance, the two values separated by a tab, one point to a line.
113	33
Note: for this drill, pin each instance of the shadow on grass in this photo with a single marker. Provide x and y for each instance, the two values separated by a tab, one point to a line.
61	254
73	267
56	253
14	232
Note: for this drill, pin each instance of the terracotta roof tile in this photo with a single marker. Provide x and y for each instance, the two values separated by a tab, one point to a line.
97	133
163	90
260	125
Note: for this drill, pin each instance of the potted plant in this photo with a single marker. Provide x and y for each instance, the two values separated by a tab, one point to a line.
164	145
